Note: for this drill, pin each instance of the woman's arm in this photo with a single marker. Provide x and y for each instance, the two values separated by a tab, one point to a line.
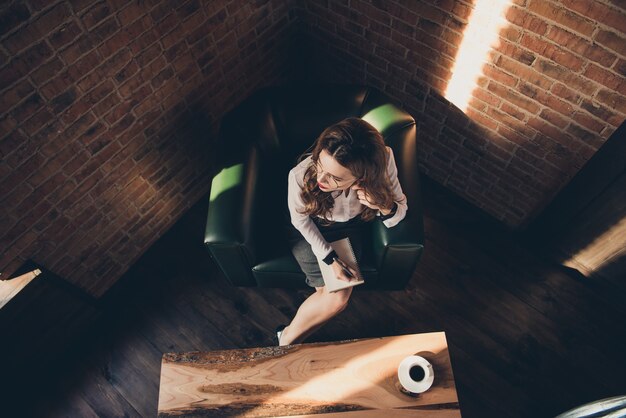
390	216
302	222
398	196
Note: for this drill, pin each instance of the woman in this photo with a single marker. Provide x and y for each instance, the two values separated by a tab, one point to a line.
349	179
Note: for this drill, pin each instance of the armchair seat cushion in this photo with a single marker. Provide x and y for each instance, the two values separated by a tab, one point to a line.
260	141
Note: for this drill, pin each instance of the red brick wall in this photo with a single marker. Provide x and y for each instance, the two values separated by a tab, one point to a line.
108	109
553	91
108	112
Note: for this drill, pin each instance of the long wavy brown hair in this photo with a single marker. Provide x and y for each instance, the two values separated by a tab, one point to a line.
358	146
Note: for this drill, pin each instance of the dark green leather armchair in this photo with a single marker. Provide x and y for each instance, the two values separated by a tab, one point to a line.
260	142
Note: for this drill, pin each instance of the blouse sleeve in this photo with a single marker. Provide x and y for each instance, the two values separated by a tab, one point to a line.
302	222
398	195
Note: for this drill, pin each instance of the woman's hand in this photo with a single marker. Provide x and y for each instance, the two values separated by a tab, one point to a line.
366	199
341	274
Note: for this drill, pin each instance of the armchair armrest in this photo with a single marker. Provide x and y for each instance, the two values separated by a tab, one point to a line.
228	234
397	250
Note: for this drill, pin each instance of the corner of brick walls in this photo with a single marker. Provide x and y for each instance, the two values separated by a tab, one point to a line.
108	115
553	92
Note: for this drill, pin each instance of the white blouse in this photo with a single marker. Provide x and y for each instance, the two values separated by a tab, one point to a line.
345	208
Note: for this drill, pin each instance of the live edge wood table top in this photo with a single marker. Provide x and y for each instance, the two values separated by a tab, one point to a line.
345	379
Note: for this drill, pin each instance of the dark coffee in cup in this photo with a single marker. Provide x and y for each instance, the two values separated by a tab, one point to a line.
417	373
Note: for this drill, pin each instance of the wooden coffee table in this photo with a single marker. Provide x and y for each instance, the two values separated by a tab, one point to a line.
354	378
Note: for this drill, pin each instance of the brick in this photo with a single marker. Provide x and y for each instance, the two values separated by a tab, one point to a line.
451	37
476	104
547	129
599	12
481	119
10	182
92	133
131	13
83	66
104	30
524	72
495	73
14	141
49	186
122	125
552	52
581	134
176	50
47	72
119	111
513	135
554	118
563	75
12	17
513	97
114	44
566	93
581	46
514	51
600	55
139	27
62	101
144	41
15	94
98	144
486	97
46	171
150	54
601	112
22	39
65	35
162	77
562	16
37	29
95	14
106	104
612	41
131	86
620	67
206	28
32	58
510	33
146	105
588	121
606	78
78	109
114	64
77	5
17	196
521	18
75	163
77	49
80	126
56	86
513	111
98	93
612	100
27	108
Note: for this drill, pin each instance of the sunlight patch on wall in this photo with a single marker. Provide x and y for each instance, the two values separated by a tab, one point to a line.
481	33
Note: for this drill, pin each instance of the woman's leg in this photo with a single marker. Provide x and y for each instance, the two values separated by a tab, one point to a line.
314	312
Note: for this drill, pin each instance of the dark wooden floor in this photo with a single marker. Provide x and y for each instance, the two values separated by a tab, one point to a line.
527	339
